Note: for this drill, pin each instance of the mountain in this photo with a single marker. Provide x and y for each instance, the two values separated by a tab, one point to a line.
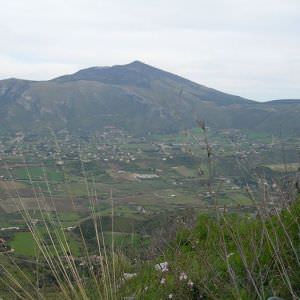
136	97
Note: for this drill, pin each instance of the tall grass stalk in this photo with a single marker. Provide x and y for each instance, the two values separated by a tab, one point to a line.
57	256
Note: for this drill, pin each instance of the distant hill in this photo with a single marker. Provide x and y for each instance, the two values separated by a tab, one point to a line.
284	102
136	97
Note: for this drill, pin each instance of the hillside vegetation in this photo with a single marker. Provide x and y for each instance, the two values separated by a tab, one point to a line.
228	256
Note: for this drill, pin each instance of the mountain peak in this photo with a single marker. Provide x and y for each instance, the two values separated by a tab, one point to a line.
143	67
136	63
135	73
139	74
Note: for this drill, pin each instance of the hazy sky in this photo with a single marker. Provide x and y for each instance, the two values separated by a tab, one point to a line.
249	48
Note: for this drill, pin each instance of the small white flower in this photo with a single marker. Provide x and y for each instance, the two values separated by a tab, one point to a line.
183	276
163	281
163	267
170	296
190	283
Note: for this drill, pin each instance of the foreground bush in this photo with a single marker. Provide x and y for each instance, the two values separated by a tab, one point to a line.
229	257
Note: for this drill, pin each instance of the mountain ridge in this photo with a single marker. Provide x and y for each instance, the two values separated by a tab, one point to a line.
136	97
